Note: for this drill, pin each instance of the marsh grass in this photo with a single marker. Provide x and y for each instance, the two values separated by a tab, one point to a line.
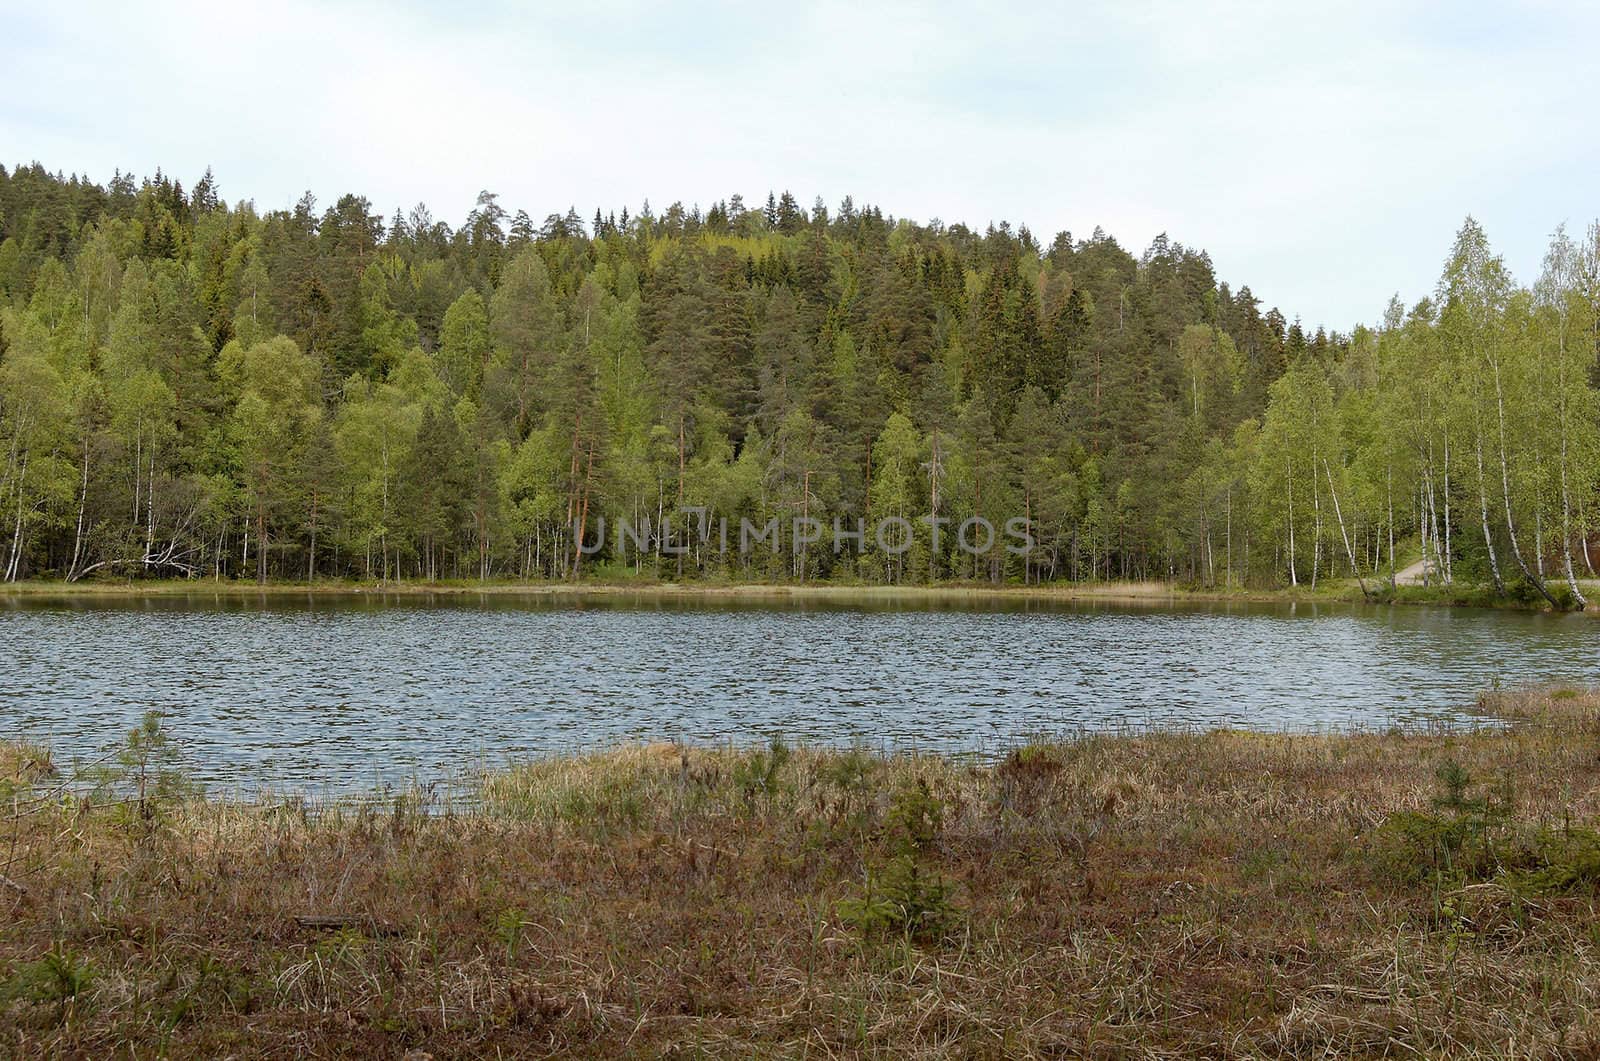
22	766
1145	894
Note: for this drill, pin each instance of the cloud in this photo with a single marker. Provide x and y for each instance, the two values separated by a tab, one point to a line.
1323	156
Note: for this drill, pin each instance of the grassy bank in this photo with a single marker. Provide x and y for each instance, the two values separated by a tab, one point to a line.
1163	895
603	588
1144	592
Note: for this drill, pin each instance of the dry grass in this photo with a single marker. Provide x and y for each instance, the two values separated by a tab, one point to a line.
649	588
1167	895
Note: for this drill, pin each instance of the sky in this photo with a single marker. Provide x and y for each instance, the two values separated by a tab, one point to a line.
1323	154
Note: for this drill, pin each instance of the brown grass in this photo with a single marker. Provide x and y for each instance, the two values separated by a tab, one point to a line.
1164	895
645	588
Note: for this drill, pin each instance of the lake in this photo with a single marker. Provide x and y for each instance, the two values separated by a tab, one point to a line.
344	693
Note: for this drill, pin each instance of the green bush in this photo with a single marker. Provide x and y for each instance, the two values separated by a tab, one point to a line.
60	978
900	896
757	775
914	820
147	773
1559	862
1466	838
848	772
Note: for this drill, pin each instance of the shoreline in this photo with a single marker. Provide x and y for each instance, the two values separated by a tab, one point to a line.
1152	593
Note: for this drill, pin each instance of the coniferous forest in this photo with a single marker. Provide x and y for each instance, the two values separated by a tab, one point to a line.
190	389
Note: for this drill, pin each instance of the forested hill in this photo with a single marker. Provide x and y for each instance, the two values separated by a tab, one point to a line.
189	388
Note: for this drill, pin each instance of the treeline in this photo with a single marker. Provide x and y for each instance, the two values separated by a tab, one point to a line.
189	388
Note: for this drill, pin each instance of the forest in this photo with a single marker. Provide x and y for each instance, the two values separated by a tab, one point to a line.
192	389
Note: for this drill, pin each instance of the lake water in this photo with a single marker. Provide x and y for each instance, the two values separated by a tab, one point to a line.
334	694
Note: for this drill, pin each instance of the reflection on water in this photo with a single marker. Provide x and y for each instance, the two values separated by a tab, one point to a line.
338	693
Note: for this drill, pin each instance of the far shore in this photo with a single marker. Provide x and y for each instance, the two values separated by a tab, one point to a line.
1142	591
1149	592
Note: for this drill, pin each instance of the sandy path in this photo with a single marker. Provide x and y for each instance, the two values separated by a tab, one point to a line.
1411	575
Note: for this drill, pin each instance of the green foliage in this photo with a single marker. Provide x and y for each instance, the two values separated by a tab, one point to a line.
1559	862
756	775
1468	837
209	985
900	895
849	771
147	772
902	898
915	819
616	802
60	978
208	390
510	926
22	766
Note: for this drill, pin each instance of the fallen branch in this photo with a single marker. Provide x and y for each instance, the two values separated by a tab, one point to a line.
369	926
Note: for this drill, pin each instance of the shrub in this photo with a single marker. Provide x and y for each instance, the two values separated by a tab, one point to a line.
147	770
1464	838
914	820
22	765
900	896
848	771
59	978
1559	862
757	775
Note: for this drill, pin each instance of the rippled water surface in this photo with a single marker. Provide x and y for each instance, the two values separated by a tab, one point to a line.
343	693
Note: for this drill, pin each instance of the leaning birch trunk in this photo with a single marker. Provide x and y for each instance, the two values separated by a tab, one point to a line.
83	500
1430	526
1505	493
1423	524
1338	514
1483	511
1566	498
1566	536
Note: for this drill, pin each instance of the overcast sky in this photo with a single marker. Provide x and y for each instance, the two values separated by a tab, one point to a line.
1325	159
